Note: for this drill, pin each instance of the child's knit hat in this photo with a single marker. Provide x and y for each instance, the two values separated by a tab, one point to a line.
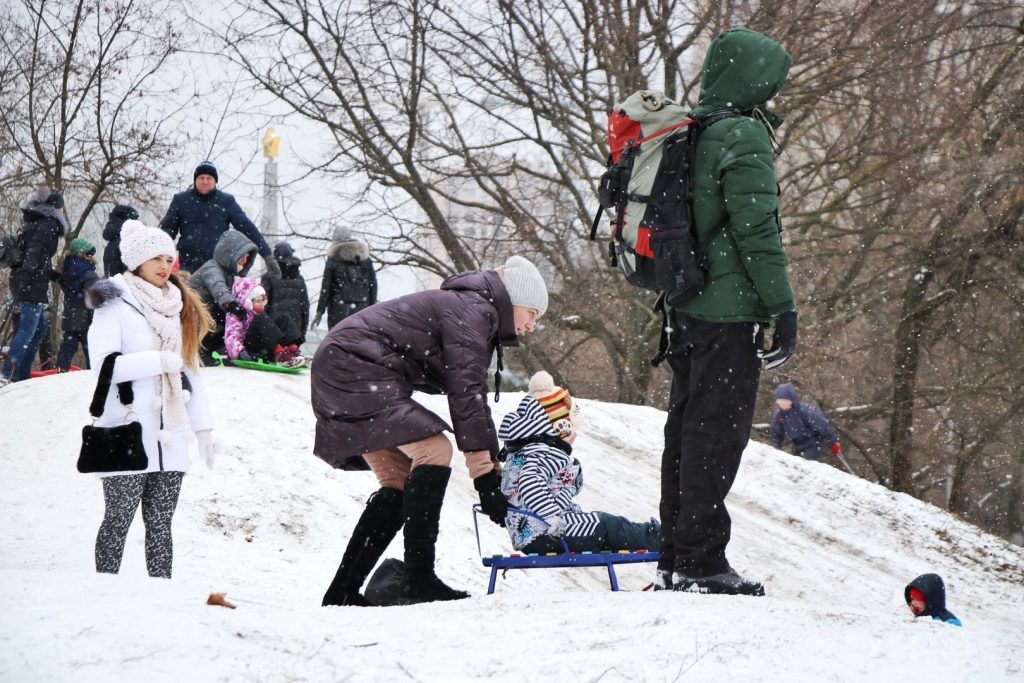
564	413
81	246
140	243
245	289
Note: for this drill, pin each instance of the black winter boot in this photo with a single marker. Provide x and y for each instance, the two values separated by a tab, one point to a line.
726	583
424	493
377	526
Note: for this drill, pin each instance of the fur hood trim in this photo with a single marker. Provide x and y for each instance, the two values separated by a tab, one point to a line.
32	205
101	292
349	250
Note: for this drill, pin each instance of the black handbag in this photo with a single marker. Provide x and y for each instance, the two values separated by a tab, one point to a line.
112	449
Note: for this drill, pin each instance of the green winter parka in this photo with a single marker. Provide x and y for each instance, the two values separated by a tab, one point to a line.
735	192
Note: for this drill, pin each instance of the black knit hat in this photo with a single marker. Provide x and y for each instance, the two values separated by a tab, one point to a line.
124	212
283	250
205	168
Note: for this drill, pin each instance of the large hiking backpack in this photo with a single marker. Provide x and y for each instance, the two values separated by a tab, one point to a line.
648	188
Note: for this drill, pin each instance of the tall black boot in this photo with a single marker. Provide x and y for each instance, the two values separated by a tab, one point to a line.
424	493
377	526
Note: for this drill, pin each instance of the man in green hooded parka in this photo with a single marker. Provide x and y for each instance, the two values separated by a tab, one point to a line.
716	338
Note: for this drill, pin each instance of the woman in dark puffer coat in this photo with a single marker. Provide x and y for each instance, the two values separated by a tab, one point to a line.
364	374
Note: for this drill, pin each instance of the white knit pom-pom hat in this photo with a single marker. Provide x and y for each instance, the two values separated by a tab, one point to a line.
139	243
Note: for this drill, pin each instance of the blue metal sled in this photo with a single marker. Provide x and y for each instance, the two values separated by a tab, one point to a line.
566	558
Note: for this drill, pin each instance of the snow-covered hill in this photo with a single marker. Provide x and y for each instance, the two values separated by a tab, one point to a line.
269	524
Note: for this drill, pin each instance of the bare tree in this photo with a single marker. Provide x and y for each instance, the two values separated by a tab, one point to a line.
900	173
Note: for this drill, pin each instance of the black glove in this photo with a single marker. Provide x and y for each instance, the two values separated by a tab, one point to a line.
234	308
783	341
245	355
492	501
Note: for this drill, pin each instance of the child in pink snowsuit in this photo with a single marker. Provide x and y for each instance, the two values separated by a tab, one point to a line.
259	336
250	295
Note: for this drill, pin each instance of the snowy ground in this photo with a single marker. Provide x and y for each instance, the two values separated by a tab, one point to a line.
268	526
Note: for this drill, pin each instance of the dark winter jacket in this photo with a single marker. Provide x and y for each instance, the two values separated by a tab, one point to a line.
79	273
438	341
214	278
112	264
736	203
42	227
201	220
349	283
287	295
934	596
805	426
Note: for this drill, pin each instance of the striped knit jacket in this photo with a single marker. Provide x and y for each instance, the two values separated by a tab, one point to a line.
540	477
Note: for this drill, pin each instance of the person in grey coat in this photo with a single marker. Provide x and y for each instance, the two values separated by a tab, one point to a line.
363	378
232	257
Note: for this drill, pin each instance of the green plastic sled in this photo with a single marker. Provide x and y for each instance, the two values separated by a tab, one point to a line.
256	365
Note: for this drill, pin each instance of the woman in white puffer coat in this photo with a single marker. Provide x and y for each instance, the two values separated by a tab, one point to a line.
156	322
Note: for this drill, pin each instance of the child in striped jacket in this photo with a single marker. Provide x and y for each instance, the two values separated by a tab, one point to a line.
541	477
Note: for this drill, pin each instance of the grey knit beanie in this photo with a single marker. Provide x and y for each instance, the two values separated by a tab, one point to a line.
525	285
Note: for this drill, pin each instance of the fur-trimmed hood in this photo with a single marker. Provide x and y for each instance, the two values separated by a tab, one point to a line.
103	292
353	249
33	209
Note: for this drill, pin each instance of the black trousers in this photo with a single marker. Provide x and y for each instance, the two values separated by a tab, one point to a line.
267	332
715	371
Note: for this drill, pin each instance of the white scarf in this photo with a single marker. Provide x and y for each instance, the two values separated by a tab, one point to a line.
162	308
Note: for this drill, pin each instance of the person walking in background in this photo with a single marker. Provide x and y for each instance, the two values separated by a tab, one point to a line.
112	264
43	225
350	283
363	378
541	476
198	216
149	316
716	337
803	424
78	274
287	295
232	257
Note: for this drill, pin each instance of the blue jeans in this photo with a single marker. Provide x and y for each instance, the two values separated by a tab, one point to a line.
32	327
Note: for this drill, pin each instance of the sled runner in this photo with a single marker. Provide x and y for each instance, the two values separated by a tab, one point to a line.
562	560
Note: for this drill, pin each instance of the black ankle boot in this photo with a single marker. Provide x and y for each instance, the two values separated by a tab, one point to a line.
424	493
377	526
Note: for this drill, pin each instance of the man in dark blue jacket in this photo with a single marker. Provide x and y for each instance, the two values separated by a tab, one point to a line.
805	425
201	214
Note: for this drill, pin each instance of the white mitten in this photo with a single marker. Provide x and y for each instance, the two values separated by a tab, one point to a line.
171	362
556	526
207	448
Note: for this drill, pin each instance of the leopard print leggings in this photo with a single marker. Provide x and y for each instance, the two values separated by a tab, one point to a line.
158	492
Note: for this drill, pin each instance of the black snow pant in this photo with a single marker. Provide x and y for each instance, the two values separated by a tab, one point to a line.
613	533
266	332
158	492
715	371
